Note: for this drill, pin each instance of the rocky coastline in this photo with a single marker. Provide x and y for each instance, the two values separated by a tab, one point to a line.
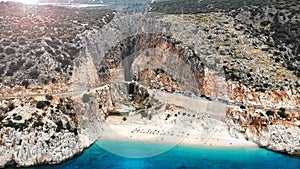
227	58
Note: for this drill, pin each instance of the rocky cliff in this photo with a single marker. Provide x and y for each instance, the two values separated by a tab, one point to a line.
38	130
76	70
276	130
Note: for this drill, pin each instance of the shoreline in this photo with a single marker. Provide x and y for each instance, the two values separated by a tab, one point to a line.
194	138
195	146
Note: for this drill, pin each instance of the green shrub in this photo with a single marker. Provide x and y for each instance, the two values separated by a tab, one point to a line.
2	70
11	106
9	72
13	67
297	84
282	109
282	113
34	74
38	124
49	97
270	113
29	65
25	83
17	126
144	113
42	104
22	41
18	117
86	98
59	126
75	132
68	106
150	116
10	50
11	124
68	125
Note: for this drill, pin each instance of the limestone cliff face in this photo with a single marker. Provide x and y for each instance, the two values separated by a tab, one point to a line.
40	147
38	132
92	111
268	99
151	41
179	48
267	128
84	73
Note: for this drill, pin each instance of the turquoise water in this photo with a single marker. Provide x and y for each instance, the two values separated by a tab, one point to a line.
179	157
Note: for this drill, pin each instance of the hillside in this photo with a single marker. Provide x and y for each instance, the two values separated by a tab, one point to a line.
39	44
277	21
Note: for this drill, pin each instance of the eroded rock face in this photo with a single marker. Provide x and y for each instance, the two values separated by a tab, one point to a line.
38	132
39	147
158	79
268	99
151	42
51	131
267	128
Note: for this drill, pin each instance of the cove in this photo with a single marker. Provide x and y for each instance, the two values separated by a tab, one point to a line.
178	157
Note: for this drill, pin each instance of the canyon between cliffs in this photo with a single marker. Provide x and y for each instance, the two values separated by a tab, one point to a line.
153	69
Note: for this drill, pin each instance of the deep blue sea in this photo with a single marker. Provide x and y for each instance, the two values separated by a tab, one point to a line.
178	157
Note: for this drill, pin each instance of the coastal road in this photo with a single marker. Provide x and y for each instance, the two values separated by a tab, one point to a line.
214	107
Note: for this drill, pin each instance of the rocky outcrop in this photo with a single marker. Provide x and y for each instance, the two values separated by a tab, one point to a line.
268	99
153	42
38	131
37	147
275	130
84	74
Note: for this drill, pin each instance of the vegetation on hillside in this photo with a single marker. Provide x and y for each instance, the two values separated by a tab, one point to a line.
260	48
38	44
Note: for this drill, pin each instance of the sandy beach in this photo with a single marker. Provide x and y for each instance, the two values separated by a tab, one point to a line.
172	134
